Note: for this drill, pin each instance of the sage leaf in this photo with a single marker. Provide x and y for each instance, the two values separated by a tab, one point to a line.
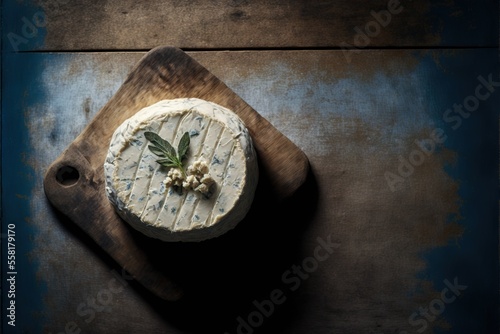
156	151
183	146
164	150
167	162
160	143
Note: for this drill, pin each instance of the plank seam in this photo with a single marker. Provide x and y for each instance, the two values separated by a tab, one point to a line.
328	48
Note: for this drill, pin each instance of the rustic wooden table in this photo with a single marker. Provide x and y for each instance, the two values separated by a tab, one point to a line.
395	103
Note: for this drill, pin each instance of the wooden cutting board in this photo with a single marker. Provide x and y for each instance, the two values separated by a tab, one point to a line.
74	182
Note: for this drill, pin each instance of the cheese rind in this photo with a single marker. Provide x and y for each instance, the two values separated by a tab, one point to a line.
134	180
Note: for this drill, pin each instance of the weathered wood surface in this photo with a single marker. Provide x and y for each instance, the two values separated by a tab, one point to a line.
132	25
356	114
393	245
75	183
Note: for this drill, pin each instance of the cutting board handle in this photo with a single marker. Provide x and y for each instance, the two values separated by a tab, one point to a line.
76	190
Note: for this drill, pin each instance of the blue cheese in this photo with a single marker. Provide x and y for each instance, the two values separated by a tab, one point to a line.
135	181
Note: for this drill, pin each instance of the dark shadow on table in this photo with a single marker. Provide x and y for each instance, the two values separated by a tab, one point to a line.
222	277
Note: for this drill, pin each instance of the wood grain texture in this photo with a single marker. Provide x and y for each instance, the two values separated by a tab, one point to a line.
129	25
354	121
163	73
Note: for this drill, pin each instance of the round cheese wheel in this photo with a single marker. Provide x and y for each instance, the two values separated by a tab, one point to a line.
135	181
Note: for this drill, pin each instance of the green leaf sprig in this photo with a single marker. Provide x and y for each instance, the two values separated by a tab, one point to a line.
166	152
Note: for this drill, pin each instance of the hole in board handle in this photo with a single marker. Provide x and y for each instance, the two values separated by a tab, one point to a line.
67	176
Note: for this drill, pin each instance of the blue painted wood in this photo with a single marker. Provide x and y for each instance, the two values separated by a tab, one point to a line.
462	21
348	118
36	127
22	88
345	117
455	92
23	26
473	81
